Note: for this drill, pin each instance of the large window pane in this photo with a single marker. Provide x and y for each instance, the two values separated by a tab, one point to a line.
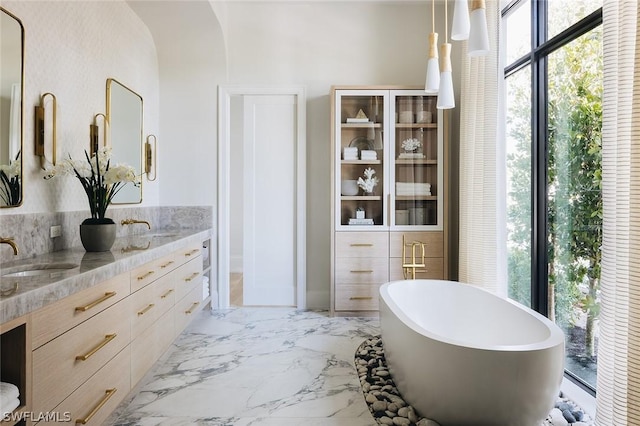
574	197
565	13
518	25
518	147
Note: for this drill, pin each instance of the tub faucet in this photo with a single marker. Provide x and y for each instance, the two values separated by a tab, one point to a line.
132	221
11	243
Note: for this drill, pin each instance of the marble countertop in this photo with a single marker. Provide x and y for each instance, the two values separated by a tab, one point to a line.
22	295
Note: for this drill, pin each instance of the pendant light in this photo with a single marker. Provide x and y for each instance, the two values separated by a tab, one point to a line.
446	99
478	35
432	84
461	25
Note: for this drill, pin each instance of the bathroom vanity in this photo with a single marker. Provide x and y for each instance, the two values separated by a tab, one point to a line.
77	339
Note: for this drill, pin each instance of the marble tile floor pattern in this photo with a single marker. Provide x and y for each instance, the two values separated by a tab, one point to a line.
256	366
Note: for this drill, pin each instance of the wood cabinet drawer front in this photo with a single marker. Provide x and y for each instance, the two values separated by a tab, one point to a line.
63	364
434	246
53	320
190	252
187	276
151	271
362	270
357	297
165	294
434	269
144	308
100	395
150	345
362	244
187	308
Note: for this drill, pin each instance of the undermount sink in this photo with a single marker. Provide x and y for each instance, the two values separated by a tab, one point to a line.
39	269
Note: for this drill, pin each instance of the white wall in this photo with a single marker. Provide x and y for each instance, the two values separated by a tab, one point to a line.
71	48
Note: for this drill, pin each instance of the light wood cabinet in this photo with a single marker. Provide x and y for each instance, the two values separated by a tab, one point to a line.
78	358
394	136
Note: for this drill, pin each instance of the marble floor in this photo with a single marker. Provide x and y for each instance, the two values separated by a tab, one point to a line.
256	366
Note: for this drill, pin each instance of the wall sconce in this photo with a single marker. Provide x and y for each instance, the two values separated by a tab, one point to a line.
94	139
40	150
150	159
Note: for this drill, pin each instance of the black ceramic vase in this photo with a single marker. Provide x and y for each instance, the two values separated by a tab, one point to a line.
97	234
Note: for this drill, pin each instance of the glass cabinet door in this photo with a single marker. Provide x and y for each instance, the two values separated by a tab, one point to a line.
360	155
416	155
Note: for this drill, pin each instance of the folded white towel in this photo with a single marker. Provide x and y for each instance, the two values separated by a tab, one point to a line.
351	150
9	390
8	407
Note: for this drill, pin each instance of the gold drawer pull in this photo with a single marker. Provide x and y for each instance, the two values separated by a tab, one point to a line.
361	245
167	264
192	276
361	271
194	251
360	298
95	302
108	394
145	310
143	276
107	339
190	310
164	296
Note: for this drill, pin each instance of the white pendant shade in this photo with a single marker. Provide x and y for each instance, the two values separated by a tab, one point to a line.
478	37
432	84
446	99
461	24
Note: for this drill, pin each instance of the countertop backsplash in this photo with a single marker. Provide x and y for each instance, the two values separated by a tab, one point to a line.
31	231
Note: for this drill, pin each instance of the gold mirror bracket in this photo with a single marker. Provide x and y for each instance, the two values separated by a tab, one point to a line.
39	131
94	139
150	158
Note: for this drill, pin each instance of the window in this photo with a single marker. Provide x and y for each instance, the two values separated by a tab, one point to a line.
553	146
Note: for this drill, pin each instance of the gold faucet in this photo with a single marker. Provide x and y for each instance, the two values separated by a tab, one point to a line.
11	243
132	221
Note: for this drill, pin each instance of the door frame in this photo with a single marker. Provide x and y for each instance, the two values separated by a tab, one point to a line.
224	168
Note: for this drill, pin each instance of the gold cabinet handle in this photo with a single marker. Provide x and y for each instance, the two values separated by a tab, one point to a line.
361	245
164	296
145	310
143	276
190	310
96	302
361	271
194	251
107	339
360	298
167	264
192	276
108	394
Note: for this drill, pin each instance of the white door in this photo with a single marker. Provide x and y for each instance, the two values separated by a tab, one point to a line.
269	214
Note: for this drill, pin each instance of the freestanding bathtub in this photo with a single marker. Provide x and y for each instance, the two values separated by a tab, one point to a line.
463	356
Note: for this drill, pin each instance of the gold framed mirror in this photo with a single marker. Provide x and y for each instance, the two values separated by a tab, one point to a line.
124	115
11	109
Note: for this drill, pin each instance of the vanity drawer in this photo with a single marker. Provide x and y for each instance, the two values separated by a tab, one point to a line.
433	241
362	244
144	309
187	308
357	297
53	320
66	362
151	271
188	253
434	269
109	385
362	270
187	276
150	345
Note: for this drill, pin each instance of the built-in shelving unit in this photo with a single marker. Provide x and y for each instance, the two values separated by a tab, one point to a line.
399	134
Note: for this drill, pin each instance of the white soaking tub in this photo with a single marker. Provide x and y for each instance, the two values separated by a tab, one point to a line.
463	356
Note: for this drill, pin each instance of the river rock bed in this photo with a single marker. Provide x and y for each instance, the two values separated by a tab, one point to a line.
388	407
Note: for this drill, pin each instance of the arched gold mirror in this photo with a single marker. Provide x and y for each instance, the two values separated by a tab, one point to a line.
11	110
124	115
